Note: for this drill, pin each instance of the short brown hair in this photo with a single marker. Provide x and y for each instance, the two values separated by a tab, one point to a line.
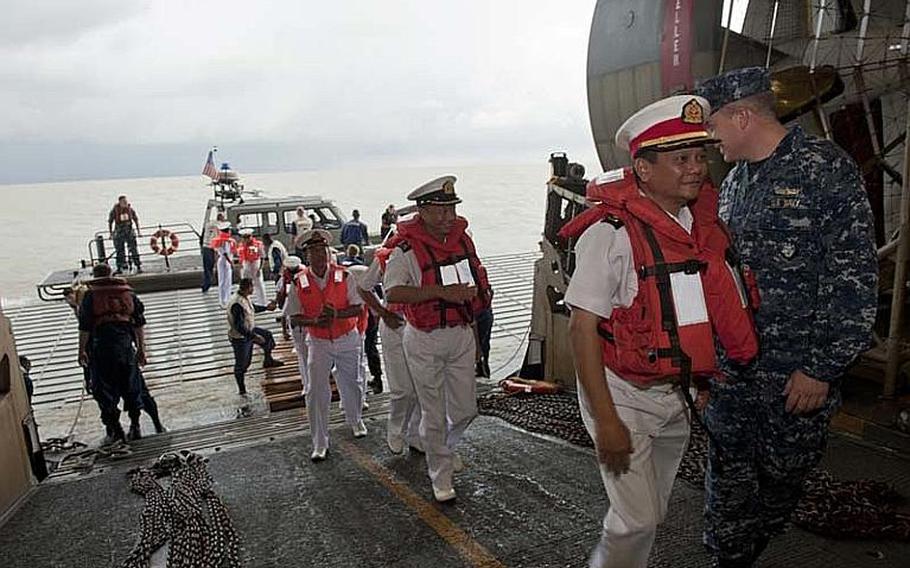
763	104
101	270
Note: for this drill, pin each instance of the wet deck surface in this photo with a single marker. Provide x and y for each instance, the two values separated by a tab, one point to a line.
523	501
190	359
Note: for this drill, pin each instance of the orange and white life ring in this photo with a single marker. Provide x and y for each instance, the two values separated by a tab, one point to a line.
517	384
164	242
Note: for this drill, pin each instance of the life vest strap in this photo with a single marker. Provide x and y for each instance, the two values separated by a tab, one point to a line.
691	266
669	323
605	335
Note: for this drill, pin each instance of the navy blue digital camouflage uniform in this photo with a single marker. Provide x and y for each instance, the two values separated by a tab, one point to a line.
802	222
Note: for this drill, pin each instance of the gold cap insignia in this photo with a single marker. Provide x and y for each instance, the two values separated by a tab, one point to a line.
693	113
448	186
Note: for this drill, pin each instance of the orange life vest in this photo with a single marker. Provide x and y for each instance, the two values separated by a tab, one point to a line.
335	294
646	341
435	257
249	252
123	215
112	301
224	237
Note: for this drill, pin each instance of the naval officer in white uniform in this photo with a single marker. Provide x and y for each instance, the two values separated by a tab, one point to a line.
225	247
434	271
288	298
330	305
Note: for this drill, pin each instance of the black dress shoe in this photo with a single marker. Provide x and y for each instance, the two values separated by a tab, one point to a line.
135	433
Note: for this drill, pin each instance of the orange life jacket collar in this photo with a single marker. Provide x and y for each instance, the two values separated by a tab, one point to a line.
644	342
432	255
112	301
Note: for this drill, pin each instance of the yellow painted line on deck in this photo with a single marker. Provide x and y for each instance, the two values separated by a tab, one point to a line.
461	541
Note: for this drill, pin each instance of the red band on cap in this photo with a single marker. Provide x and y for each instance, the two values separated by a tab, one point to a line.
667	132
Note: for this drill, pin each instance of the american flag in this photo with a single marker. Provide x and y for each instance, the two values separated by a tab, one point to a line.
210	169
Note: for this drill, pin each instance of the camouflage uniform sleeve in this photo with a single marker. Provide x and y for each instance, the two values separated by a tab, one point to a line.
848	276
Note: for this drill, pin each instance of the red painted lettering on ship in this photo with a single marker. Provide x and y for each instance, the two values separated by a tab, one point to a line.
676	47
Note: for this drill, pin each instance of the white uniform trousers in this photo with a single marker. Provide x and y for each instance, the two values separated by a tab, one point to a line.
299	335
404	412
658	423
322	355
225	278
442	365
362	368
253	270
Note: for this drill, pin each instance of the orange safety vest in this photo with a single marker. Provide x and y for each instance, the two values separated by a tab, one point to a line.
122	215
249	252
646	341
434	257
112	301
224	237
335	294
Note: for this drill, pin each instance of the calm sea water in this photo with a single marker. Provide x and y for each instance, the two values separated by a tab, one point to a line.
48	226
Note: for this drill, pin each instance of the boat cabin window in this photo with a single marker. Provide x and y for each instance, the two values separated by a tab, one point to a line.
328	218
261	222
290	215
5	376
270	222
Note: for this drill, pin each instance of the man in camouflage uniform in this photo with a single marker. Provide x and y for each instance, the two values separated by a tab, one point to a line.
802	222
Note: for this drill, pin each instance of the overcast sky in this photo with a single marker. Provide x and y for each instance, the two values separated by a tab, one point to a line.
121	88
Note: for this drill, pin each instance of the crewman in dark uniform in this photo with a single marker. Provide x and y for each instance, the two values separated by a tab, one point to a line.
74	296
120	223
802	223
243	333
112	346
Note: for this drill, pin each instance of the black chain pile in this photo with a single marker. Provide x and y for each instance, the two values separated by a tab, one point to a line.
829	507
553	414
189	516
851	509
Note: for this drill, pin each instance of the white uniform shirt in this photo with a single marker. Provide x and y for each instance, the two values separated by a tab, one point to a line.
371	276
402	269
292	302
303	224
224	249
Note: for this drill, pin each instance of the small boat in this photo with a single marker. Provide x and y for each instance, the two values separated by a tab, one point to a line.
170	252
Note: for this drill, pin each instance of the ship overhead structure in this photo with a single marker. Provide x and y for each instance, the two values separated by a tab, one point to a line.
839	69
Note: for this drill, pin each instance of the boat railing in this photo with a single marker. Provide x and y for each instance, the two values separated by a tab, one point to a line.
101	247
565	200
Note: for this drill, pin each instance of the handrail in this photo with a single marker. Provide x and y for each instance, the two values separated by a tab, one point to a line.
180	229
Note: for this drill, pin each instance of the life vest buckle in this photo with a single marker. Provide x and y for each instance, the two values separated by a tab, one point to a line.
694	266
